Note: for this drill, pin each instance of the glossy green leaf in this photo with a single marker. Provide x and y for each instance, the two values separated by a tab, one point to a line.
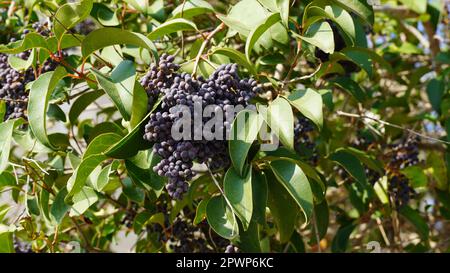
6	240
320	35
280	118
435	92
131	191
200	213
103	37
81	103
340	240
244	132
221	218
59	208
238	190
351	164
82	201
40	93
237	56
260	192
31	40
335	13
256	33
309	103
68	15
100	181
291	176
171	26
133	142
6	131
92	157
120	86
361	7
191	8
282	207
145	177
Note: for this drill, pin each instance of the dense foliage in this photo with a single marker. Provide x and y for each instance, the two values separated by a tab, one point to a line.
224	126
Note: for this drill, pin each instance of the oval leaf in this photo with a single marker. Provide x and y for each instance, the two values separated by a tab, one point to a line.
291	176
221	218
239	192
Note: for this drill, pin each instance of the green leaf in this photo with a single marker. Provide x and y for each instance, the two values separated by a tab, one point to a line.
351	87
191	8
40	93
145	177
104	37
435	92
361	8
283	6
319	34
92	157
260	191
280	118
84	199
59	208
200	213
105	15
365	57
340	240
237	56
282	207
416	176
244	132
340	16
239	192
19	63
132	192
30	41
221	218
102	179
120	86
413	216
309	103
256	33
419	6
291	176
322	216
81	103
6	131
139	106
6	240
249	240
70	14
351	164
133	142
6	179
171	26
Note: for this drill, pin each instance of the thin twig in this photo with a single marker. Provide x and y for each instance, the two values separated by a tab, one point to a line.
204	44
392	125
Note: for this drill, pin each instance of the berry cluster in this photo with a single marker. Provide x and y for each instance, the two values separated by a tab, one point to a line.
223	90
12	88
402	155
129	216
303	142
186	238
13	83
